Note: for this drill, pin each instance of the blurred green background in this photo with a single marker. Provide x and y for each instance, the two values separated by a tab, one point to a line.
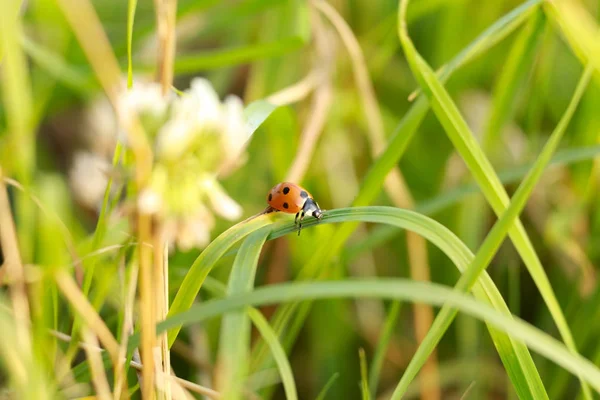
512	95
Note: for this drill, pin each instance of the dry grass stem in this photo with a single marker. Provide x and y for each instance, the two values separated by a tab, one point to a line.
96	366
213	394
166	12
320	104
14	271
87	312
296	92
127	326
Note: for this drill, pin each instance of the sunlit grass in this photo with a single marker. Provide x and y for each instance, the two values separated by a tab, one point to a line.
493	200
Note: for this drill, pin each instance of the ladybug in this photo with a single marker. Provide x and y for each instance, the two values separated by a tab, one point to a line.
293	199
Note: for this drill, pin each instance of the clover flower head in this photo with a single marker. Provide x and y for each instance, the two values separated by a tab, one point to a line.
197	137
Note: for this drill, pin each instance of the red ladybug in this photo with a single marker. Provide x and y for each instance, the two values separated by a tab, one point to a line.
293	199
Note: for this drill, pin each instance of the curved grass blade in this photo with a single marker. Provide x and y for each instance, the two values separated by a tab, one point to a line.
396	289
234	340
485	290
206	261
270	337
398	143
465	143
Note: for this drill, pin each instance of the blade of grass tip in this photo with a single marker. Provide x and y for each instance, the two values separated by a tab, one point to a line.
328	385
132	4
459	133
397	289
364	384
234	339
382	345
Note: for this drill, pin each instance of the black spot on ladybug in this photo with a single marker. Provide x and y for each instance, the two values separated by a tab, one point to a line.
270	196
286	190
303	194
285	205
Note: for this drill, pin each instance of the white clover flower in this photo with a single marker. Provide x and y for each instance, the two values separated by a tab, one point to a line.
145	98
194	136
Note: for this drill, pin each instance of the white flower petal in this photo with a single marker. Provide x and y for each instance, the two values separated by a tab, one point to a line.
174	139
88	178
220	201
149	202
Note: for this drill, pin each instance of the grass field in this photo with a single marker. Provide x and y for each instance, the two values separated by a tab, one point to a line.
453	146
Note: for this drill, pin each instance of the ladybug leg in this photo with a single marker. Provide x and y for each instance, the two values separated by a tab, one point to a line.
300	222
296	219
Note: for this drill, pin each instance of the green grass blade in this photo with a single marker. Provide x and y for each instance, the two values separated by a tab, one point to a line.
382	345
518	63
206	261
487	252
270	337
397	289
222	58
431	230
234	340
398	143
323	393
364	380
132	4
255	114
579	29
465	143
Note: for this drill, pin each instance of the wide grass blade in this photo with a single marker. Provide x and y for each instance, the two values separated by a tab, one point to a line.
397	289
206	261
439	235
268	334
465	143
234	344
